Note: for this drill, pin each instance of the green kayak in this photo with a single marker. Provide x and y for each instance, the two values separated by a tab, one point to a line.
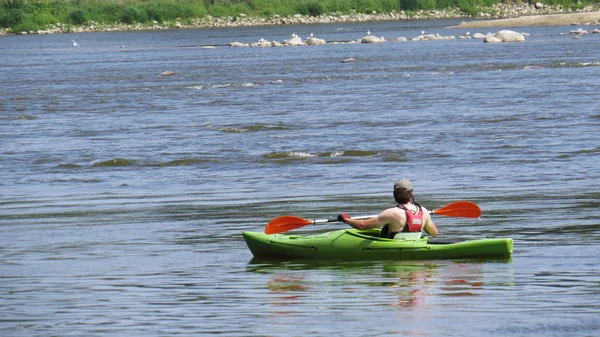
353	244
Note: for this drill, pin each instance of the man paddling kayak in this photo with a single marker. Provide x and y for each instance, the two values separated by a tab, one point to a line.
406	217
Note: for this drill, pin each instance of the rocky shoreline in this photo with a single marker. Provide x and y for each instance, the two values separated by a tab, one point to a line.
560	16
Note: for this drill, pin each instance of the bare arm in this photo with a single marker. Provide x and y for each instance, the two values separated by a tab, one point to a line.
385	217
429	226
364	224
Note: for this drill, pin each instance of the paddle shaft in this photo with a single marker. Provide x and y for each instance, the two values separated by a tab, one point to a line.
336	220
361	217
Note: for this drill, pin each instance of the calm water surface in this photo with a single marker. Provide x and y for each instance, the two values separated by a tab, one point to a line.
124	193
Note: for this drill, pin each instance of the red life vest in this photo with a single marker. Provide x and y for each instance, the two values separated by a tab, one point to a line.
414	221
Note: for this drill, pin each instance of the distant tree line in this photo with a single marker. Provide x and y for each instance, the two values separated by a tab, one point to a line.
31	15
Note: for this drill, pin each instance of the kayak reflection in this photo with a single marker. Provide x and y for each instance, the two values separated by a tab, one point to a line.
416	284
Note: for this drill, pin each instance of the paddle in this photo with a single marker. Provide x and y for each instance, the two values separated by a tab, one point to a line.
280	224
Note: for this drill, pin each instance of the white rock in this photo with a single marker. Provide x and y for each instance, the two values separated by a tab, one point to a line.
294	41
371	39
491	39
313	41
579	31
261	43
510	36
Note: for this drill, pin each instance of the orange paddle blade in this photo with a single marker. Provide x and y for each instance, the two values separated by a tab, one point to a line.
461	209
285	223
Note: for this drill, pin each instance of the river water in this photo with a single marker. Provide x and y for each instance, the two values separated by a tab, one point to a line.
124	193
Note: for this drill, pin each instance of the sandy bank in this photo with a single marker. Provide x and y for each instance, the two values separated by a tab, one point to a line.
567	19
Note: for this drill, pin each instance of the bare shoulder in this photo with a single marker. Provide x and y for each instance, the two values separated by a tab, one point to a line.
426	213
390	213
392	216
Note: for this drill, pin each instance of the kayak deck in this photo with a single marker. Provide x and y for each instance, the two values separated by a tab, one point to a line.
353	244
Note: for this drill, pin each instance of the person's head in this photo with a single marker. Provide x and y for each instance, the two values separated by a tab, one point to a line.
403	191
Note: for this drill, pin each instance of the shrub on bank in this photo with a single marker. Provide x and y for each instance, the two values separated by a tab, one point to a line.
312	8
132	15
14	4
570	4
474	7
11	17
161	11
78	17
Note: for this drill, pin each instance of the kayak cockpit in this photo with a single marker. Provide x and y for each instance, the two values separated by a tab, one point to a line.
374	234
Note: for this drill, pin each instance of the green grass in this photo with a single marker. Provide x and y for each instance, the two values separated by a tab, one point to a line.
32	15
